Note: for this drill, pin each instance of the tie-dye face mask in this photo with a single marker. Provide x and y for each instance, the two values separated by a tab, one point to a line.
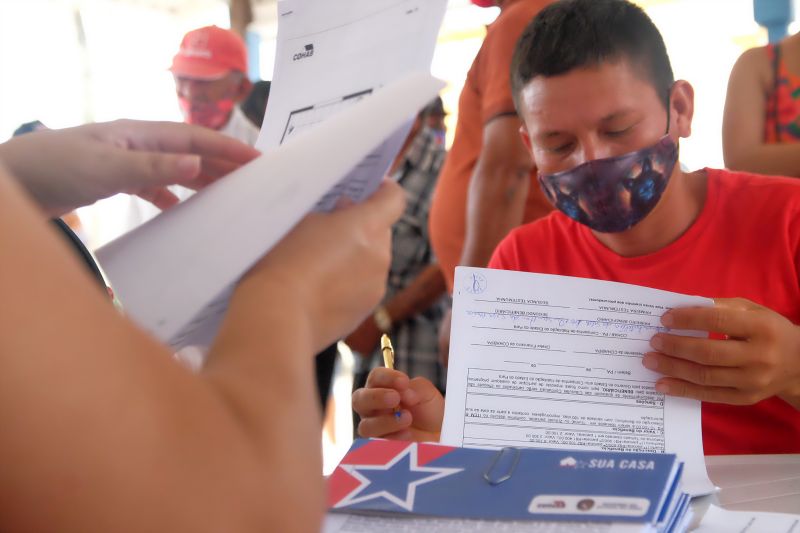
613	194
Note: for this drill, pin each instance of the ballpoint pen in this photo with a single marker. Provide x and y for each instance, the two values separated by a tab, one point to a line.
388	361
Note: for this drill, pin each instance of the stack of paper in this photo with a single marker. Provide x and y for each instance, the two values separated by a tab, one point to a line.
626	491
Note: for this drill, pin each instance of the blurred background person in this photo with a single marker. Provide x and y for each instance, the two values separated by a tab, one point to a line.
415	298
210	71
485	187
435	119
761	122
255	105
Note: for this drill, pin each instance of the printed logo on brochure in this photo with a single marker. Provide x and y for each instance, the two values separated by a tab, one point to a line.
396	481
308	51
624	464
564	504
555	504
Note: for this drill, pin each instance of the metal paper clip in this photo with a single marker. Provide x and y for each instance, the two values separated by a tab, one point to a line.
488	474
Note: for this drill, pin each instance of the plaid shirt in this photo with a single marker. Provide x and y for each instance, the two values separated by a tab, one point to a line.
415	339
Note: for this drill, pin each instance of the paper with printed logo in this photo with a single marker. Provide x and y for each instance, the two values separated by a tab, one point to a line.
331	55
555	362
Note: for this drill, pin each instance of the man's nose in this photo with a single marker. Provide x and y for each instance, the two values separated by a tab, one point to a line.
593	148
189	89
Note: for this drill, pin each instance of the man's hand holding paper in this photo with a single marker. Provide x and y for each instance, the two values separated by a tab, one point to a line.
757	360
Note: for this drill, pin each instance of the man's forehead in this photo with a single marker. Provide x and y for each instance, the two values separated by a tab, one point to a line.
586	94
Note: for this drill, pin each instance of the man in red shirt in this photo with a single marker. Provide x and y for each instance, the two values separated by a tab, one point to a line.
602	117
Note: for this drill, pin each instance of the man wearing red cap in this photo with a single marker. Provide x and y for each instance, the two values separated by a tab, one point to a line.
484	189
210	79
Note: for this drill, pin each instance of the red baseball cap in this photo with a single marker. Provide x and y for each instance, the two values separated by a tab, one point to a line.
210	53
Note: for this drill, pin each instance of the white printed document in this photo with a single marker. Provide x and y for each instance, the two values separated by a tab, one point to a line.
331	55
555	362
174	273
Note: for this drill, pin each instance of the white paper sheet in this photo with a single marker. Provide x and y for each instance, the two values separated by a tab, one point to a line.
555	362
331	55
349	523
718	520
174	273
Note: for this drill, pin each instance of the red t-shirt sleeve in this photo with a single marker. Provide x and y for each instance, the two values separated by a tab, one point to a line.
505	255
793	237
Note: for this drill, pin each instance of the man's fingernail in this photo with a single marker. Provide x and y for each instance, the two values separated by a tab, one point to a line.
662	387
189	166
667	319
657	342
650	361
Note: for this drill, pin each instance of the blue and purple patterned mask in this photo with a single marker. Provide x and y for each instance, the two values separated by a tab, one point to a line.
613	194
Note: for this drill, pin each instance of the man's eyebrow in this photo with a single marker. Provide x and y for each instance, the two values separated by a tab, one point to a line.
549	134
616	114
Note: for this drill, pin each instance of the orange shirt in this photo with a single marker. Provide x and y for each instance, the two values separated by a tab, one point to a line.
486	95
745	243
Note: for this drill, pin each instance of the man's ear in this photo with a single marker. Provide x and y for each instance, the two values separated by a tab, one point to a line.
681	103
245	86
526	139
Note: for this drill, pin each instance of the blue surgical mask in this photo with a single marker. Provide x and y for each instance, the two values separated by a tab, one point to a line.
613	194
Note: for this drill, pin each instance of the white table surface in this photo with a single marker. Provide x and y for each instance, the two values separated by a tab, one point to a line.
757	482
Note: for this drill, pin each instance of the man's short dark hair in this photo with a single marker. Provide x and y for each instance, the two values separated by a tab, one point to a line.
571	34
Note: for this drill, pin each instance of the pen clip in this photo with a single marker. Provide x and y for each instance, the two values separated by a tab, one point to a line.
505	477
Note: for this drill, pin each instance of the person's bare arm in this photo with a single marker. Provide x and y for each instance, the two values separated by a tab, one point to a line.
743	144
428	287
104	431
497	191
423	292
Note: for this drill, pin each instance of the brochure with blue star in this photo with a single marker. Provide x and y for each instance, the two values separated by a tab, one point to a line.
402	478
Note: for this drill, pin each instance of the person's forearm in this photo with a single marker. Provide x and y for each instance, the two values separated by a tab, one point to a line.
772	159
427	288
496	205
264	369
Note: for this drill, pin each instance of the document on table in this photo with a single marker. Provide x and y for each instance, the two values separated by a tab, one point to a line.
353	523
174	274
555	362
331	55
718	520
